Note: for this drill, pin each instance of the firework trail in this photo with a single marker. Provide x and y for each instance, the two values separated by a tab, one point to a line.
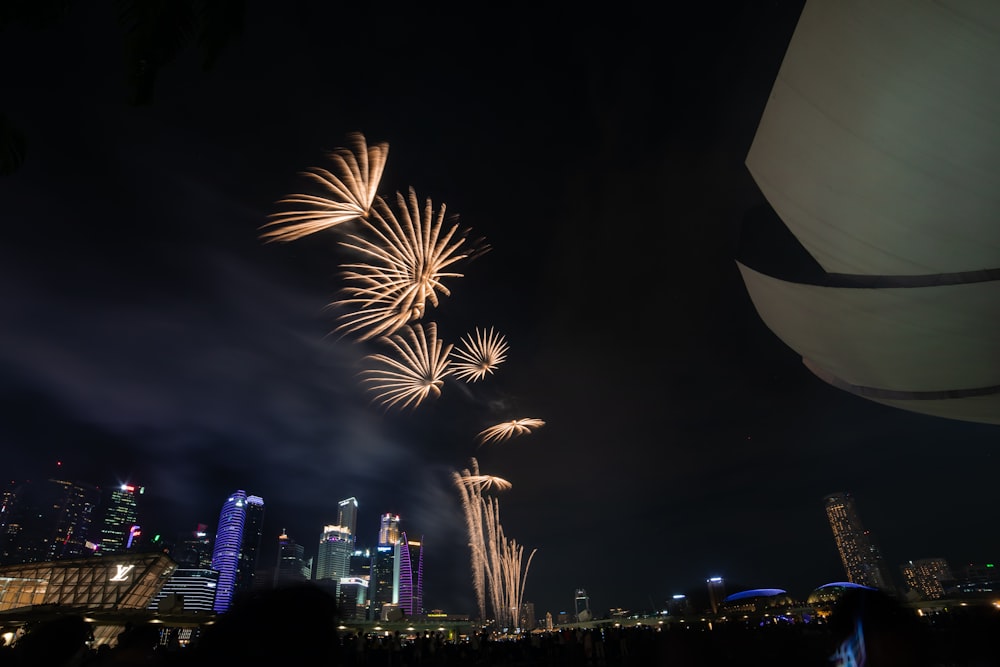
350	188
470	488
406	255
418	373
496	561
509	429
479	355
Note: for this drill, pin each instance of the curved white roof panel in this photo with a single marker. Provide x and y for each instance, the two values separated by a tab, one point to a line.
879	146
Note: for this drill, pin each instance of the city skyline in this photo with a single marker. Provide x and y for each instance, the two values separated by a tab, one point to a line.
152	336
861	558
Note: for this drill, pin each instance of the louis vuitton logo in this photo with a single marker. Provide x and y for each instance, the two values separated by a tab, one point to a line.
122	573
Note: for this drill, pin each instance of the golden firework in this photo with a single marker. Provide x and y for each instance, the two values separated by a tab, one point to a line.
507	430
418	372
407	254
348	192
478	355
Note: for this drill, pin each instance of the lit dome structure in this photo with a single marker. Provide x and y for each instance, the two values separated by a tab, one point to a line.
757	601
830	593
879	152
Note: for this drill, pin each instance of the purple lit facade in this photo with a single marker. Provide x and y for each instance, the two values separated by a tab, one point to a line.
228	543
410	580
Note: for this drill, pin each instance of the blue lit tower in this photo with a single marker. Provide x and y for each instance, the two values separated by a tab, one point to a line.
409	575
228	542
121	519
252	531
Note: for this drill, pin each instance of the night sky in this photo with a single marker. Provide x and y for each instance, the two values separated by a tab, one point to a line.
148	334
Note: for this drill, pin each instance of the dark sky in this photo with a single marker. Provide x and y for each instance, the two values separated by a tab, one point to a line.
148	334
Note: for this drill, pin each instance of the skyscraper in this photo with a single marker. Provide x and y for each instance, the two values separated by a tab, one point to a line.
347	516
226	552
333	556
388	532
716	592
581	605
47	520
252	530
408	570
381	587
927	577
121	519
862	561
194	549
292	567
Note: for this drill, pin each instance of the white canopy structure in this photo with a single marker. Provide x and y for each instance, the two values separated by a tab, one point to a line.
879	150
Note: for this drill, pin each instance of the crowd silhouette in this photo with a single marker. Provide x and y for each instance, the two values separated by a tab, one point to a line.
299	625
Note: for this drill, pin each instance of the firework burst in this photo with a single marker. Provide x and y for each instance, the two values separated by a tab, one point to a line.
479	355
417	374
349	189
507	430
407	254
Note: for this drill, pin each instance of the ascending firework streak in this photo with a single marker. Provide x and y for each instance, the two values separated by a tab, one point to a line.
496	562
350	189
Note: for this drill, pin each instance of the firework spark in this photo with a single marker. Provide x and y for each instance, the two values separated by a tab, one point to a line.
349	190
496	561
484	482
478	355
507	430
417	374
407	256
472	496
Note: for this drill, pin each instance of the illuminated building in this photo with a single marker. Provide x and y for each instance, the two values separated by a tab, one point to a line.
117	583
352	602
226	551
47	520
388	532
408	571
581	603
333	555
716	593
187	590
292	567
381	587
862	561
253	527
756	603
121	519
528	620
194	549
347	516
876	257
925	576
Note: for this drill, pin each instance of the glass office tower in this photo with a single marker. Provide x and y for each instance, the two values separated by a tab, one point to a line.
121	519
